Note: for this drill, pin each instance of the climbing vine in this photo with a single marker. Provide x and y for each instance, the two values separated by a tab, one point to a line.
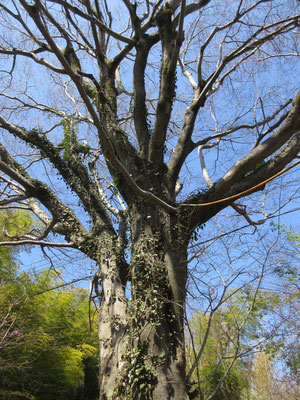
70	143
148	309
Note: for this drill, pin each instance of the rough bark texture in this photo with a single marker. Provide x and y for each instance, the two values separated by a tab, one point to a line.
140	144
112	316
142	346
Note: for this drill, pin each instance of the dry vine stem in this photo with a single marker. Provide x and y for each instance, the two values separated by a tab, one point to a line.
235	196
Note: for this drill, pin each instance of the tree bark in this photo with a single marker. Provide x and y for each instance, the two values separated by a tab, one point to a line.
112	316
144	357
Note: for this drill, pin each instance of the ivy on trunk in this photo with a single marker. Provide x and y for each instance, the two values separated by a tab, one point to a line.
124	89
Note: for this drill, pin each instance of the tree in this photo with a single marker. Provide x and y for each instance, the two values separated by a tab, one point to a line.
267	383
147	84
221	344
219	374
11	297
286	379
46	347
12	223
247	344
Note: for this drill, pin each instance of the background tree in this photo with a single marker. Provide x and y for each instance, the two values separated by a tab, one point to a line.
219	373
147	84
46	347
269	383
247	344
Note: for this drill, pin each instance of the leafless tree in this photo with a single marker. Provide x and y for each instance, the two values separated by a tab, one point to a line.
108	103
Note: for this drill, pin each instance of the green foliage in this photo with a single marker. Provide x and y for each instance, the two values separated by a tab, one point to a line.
12	223
235	327
235	383
136	377
290	349
46	349
15	222
70	136
70	143
217	356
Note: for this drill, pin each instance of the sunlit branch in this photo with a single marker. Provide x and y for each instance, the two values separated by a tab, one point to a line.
202	161
36	242
101	192
56	227
13	199
187	74
120	86
30	54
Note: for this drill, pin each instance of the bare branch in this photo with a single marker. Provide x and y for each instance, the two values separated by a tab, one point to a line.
36	242
264	149
77	11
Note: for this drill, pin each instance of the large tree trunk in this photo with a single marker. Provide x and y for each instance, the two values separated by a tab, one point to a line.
112	316
146	360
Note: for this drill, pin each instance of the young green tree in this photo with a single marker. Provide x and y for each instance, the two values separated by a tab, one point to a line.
12	223
12	298
110	101
47	350
286	377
